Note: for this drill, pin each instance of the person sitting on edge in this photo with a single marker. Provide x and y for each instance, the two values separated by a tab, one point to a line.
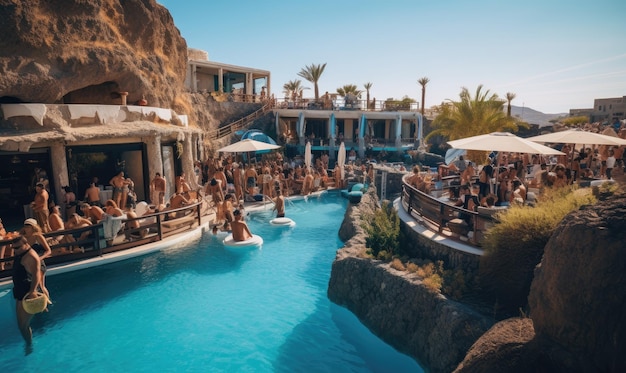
27	278
111	208
279	205
240	229
56	224
93	213
75	222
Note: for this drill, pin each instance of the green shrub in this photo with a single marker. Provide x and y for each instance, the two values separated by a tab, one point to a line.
515	245
574	121
383	231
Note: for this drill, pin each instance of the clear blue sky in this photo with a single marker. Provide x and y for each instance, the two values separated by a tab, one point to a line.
553	54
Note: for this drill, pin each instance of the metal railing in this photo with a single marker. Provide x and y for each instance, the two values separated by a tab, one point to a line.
439	215
90	242
340	103
231	128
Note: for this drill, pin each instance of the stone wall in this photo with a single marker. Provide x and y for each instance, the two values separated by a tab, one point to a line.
395	305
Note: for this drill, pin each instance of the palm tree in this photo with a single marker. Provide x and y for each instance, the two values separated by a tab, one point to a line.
349	89
509	97
367	87
423	81
293	88
312	74
472	116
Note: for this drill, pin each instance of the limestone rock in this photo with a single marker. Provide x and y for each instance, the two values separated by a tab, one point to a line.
87	51
578	295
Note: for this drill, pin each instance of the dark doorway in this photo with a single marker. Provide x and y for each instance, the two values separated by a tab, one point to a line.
17	183
101	162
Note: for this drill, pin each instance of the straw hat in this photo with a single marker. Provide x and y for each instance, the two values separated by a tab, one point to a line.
35	305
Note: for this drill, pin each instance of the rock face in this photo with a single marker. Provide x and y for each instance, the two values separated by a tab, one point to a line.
578	295
577	302
87	51
396	306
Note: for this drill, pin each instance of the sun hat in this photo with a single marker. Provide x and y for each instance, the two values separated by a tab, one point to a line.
31	222
35	305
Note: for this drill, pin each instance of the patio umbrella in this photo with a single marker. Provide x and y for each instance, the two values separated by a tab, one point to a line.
307	155
341	158
247	145
578	137
502	142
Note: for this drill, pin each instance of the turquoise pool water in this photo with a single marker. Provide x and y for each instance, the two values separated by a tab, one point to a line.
201	308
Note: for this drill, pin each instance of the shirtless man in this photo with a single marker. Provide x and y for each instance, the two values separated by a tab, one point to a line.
92	195
279	205
57	224
158	188
182	186
93	213
118	182
250	176
40	207
240	229
238	181
307	183
178	200
214	188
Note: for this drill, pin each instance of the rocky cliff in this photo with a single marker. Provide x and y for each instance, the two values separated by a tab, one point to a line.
88	51
395	305
577	302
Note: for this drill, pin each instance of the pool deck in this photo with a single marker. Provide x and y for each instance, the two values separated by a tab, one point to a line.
423	229
167	243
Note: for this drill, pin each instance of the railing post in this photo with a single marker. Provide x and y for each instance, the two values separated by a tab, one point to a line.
159	228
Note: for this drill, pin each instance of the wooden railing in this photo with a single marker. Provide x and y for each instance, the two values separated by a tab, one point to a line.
153	227
444	217
231	128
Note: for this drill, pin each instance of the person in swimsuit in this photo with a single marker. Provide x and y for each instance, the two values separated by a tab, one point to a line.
34	237
279	205
26	282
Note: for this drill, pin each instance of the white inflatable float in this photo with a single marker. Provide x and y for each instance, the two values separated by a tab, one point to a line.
283	222
254	242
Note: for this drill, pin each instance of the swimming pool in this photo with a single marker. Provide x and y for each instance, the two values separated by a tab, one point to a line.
203	308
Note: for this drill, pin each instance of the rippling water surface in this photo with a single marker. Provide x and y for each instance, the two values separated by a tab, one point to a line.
206	309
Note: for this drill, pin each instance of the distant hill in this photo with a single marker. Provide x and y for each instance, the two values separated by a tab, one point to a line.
533	116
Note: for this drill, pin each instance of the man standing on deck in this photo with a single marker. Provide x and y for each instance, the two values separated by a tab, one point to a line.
158	188
40	207
240	229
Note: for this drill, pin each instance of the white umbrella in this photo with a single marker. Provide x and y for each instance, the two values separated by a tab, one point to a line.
578	137
247	145
307	155
502	142
341	158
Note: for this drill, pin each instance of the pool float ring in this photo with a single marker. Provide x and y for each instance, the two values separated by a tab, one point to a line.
283	222
253	242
